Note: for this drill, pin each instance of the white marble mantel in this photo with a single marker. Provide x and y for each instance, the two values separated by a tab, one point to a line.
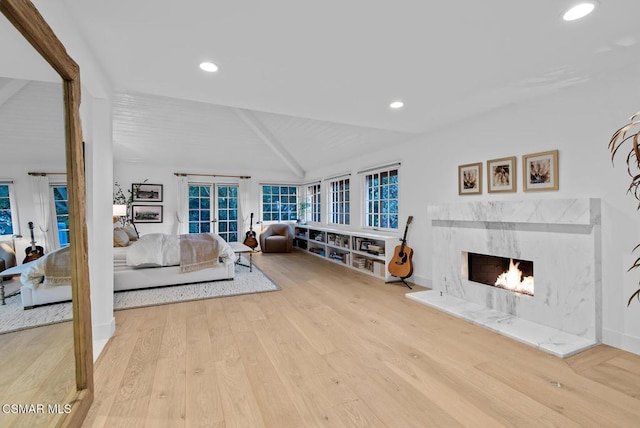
561	237
538	211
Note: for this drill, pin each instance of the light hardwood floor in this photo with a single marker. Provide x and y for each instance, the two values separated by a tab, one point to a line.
36	369
338	348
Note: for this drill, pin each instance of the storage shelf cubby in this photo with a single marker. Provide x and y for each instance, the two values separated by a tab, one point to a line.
365	252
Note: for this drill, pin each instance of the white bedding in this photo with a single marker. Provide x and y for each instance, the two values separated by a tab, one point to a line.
157	258
159	249
33	273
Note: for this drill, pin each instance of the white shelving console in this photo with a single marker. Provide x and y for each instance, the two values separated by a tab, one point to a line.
366	252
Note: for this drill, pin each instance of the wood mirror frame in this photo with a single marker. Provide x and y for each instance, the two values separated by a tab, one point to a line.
28	21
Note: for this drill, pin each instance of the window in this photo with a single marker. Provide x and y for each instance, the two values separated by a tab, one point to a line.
339	207
6	213
199	208
61	204
313	197
279	203
381	199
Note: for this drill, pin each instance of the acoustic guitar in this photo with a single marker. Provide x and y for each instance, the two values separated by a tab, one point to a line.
400	264
34	252
250	237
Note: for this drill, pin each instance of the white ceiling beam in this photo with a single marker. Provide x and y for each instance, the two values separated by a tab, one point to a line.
10	89
269	139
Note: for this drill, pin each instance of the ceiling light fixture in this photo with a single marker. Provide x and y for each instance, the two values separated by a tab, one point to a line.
579	11
209	67
396	104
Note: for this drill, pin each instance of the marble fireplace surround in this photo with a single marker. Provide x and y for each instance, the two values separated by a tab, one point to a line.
561	237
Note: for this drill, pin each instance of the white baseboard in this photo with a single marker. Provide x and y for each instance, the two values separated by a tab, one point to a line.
101	335
421	280
622	341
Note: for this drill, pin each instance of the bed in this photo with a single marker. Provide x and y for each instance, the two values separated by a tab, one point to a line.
157	260
47	279
154	260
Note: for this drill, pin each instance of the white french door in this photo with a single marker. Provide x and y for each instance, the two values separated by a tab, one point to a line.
214	208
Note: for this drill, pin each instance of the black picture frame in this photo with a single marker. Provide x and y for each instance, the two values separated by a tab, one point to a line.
146	213
144	192
364	245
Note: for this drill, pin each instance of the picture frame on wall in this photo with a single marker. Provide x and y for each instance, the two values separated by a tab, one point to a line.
540	171
143	192
146	213
501	175
470	179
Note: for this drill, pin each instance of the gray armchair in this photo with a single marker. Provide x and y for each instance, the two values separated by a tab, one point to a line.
7	257
277	238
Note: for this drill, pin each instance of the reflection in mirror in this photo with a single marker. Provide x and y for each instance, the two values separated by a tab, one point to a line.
36	349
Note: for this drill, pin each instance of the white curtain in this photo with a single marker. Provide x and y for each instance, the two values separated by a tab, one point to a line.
45	215
244	211
182	213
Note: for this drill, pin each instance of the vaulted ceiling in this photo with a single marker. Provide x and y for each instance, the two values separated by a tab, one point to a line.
304	84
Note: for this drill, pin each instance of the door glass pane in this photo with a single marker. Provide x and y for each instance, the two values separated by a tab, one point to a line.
61	203
199	208
227	212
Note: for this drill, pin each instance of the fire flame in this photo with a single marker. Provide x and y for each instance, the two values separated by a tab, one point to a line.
512	280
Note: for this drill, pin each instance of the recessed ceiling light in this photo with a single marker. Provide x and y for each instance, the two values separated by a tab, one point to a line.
209	66
396	104
579	11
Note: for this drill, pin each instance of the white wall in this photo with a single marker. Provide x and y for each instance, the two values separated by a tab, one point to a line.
128	173
577	121
95	111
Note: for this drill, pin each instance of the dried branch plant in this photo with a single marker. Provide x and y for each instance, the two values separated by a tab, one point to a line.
630	132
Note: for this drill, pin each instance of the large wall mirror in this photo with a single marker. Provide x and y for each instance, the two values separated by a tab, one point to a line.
49	367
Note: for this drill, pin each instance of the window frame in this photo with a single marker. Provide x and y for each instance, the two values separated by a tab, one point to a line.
211	201
314	198
54	213
228	221
293	214
13	206
214	210
343	212
366	214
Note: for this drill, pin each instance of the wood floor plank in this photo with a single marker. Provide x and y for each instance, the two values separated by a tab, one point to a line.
570	396
175	332
271	395
167	404
593	357
336	347
108	375
204	406
239	404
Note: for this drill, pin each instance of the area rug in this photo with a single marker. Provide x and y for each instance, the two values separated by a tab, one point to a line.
245	282
14	318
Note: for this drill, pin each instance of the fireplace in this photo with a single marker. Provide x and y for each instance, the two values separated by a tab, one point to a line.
507	273
562	238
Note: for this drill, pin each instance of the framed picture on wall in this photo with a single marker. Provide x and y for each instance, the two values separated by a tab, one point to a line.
540	171
143	192
146	213
470	179
501	175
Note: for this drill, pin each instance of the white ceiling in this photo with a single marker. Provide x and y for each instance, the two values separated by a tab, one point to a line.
192	134
298	76
32	123
344	61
